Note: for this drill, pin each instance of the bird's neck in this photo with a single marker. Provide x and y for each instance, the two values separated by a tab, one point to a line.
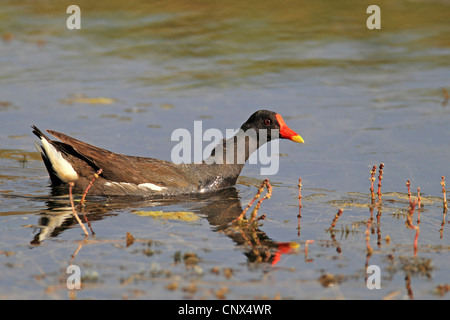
228	158
235	150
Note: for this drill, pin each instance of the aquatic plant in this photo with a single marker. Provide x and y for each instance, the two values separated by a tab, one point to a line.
264	184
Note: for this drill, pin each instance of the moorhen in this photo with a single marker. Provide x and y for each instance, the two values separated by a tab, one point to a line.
75	161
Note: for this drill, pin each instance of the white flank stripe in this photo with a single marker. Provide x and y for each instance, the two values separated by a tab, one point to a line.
151	186
132	186
62	167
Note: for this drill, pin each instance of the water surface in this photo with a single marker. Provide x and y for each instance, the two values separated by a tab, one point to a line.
135	72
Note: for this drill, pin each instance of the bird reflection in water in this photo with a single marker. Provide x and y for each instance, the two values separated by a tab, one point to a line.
220	209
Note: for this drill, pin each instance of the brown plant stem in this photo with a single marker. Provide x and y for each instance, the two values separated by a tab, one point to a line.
264	184
372	180
418	197
87	221
380	177
89	186
336	217
268	195
331	229
408	184
299	216
71	184
300	192
418	205
410	225
444	193
441	231
367	233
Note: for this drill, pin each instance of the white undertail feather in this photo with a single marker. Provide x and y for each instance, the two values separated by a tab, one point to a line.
61	166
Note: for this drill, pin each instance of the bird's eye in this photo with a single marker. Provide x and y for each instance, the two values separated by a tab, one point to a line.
267	122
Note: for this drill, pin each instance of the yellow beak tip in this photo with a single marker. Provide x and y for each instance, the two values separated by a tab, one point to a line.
298	139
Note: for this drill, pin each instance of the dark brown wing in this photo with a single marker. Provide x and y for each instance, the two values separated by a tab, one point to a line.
121	168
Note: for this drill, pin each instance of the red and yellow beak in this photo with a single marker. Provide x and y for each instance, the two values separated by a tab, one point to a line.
286	132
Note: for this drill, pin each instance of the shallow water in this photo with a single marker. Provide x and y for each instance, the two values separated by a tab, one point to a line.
135	72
